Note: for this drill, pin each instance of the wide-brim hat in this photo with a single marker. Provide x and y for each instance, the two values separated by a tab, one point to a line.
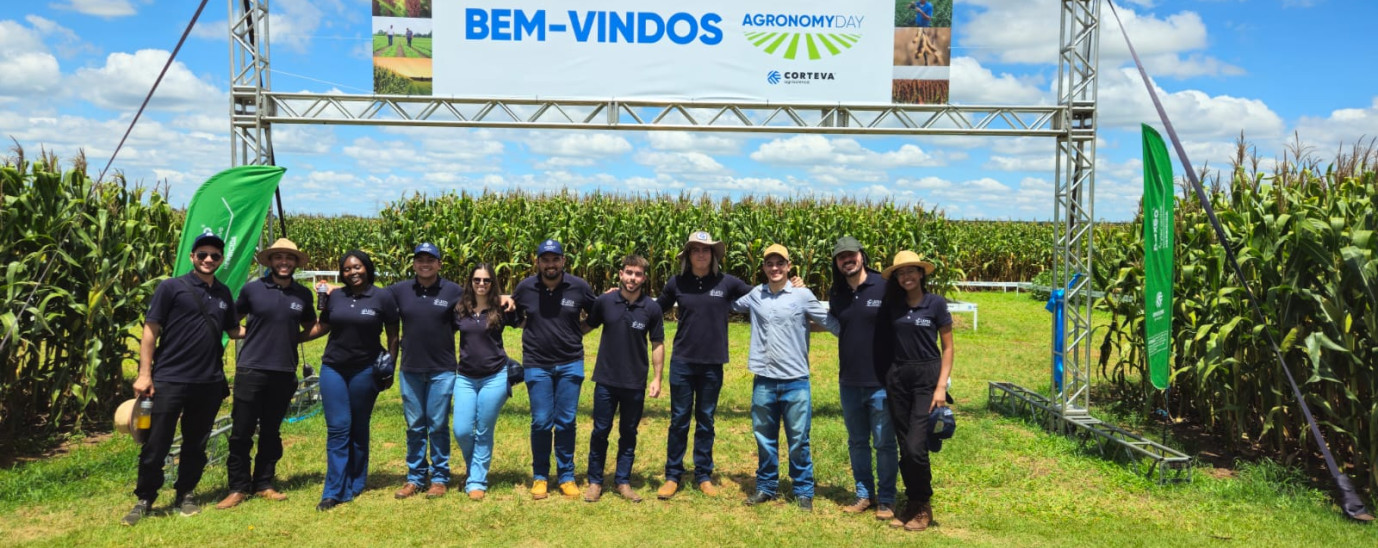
283	245
702	237
127	419
908	258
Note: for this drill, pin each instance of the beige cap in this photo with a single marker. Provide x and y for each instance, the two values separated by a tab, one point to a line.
776	249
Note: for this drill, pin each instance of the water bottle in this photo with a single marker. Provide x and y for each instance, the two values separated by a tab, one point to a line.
322	291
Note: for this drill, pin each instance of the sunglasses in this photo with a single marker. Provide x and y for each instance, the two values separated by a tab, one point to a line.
481	280
201	256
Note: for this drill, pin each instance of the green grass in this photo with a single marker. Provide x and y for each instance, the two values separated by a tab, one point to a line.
1000	482
420	47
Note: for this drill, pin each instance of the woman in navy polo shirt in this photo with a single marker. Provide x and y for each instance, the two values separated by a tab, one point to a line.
915	370
354	317
481	385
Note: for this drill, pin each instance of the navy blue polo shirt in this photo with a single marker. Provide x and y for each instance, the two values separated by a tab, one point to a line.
552	335
856	310
356	321
704	304
276	315
480	348
428	324
622	360
189	348
913	331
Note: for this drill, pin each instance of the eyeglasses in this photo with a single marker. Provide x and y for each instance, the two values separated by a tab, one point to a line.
481	280
201	256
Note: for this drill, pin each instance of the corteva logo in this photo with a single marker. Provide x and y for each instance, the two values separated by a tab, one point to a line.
802	36
796	77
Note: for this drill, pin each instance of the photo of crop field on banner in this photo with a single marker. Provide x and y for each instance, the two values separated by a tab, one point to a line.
868	51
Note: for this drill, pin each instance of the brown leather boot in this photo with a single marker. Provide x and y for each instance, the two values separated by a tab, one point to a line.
271	494
232	500
436	491
477	495
861	505
593	492
667	490
911	509
625	491
707	488
921	520
407	490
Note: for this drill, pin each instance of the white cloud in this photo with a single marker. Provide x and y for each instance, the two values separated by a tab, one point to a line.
28	69
68	43
294	23
974	84
98	8
125	79
1125	103
680	162
1342	126
581	144
683	141
818	150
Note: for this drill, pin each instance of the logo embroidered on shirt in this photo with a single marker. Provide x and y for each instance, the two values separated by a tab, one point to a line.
369	312
441	302
222	304
638	326
923	322
717	293
568	303
295	306
873	303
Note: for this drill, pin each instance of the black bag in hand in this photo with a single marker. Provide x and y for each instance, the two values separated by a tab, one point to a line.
384	371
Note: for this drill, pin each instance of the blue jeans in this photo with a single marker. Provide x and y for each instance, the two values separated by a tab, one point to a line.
776	401
554	394
606	401
347	398
426	405
694	389
477	402
867	416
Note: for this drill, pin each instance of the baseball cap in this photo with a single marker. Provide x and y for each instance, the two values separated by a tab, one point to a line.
845	244
941	425
208	238
550	246
776	249
427	248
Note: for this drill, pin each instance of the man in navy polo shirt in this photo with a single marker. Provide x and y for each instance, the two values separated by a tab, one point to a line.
426	306
552	303
181	366
279	310
629	318
854	301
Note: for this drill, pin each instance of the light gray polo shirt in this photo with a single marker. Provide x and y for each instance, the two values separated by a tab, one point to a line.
780	330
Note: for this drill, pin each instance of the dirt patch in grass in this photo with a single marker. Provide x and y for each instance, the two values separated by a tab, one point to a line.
55	449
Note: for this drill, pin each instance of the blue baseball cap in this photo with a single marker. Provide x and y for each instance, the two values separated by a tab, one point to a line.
208	238
941	426
427	248
550	246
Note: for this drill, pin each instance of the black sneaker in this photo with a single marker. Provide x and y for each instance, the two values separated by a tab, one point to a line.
805	503
327	504
186	506
758	498
140	510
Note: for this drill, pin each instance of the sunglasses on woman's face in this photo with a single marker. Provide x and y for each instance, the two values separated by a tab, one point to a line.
201	256
482	280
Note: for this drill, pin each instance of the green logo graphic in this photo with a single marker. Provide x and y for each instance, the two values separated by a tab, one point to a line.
795	44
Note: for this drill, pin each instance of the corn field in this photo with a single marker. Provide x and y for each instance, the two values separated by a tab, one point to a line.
105	245
1305	240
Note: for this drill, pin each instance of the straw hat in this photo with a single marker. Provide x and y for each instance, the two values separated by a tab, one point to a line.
282	245
908	258
702	237
127	419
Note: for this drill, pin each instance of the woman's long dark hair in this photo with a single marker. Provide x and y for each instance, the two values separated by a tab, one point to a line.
468	303
363	258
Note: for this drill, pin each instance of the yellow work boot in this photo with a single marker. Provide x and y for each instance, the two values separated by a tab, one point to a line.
708	488
538	490
569	489
667	490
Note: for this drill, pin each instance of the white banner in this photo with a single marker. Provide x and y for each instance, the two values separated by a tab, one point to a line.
827	51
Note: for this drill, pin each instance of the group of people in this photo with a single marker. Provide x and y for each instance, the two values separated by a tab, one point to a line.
894	358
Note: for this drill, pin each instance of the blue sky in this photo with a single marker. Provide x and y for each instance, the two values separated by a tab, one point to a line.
72	74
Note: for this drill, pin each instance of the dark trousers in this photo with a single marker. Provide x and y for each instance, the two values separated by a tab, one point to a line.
909	387
694	389
261	400
196	405
606	401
